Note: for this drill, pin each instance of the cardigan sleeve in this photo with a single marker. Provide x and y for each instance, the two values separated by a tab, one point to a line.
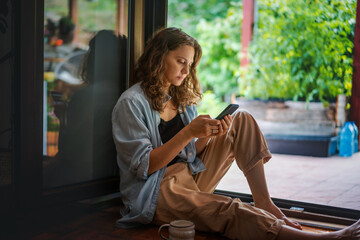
132	136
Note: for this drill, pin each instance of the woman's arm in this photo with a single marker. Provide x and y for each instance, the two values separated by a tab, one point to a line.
161	156
200	127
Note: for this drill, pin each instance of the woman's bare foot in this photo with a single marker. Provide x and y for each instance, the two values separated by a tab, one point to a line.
272	208
291	223
350	233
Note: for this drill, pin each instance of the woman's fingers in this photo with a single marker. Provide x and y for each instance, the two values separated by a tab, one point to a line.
204	126
218	129
223	127
214	127
226	122
228	119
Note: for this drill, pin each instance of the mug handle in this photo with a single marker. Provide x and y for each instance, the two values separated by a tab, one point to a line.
161	227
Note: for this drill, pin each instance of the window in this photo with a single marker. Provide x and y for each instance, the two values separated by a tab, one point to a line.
84	75
218	27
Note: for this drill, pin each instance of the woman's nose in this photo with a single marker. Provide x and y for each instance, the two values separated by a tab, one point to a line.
185	70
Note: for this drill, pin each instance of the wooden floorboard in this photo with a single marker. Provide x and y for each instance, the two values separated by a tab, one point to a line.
75	223
88	223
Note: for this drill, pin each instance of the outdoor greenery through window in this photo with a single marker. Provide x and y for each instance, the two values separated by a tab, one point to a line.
301	50
300	61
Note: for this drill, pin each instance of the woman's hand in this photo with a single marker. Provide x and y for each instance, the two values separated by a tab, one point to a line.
221	128
204	126
224	126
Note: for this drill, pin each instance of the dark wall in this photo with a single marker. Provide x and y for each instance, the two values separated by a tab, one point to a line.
6	110
5	73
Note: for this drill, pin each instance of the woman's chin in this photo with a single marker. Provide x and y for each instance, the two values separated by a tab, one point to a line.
177	84
181	82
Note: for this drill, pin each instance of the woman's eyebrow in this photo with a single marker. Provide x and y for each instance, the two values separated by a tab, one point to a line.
186	59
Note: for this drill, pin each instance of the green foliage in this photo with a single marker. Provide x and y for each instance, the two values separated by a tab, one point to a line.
220	40
217	27
186	14
92	16
211	105
59	7
53	123
97	15
301	50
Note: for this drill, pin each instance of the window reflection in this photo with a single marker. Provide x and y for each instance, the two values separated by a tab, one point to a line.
85	70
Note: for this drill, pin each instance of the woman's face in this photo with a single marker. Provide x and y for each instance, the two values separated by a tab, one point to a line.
177	65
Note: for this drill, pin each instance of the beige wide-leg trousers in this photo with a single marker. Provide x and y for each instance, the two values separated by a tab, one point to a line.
184	196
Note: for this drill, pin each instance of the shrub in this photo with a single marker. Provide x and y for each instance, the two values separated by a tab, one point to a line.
302	50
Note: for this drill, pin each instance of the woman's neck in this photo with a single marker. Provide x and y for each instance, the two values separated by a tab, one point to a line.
169	111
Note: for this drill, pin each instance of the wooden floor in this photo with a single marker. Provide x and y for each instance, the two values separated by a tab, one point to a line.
88	223
78	222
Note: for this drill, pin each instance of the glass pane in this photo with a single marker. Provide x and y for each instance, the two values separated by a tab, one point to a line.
291	86
85	69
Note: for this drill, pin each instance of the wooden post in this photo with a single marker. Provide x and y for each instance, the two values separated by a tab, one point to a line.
355	92
73	14
247	29
121	18
135	36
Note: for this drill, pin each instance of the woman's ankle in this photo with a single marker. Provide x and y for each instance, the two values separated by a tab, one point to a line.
263	203
268	205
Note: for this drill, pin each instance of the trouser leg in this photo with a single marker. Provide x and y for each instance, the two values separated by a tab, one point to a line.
244	142
180	198
183	196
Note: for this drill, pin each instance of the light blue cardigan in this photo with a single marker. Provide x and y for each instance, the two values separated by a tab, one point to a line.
135	132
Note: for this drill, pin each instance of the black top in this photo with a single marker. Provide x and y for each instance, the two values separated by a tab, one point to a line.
169	129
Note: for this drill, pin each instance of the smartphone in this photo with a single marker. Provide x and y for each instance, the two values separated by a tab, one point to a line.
228	110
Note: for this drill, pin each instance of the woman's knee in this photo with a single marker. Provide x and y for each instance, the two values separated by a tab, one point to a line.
242	113
243	117
245	131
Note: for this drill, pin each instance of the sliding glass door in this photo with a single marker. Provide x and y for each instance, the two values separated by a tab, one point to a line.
266	87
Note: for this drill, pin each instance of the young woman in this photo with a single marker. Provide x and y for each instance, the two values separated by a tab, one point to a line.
171	160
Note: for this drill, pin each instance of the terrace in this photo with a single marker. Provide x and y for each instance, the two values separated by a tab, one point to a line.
332	181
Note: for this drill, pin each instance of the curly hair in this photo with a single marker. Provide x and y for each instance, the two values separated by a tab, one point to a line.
150	69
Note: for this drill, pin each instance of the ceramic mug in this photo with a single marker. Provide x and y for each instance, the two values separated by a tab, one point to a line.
179	230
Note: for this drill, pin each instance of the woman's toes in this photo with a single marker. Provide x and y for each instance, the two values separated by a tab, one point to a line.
291	223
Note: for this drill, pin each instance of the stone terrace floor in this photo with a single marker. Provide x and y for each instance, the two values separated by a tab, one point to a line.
333	181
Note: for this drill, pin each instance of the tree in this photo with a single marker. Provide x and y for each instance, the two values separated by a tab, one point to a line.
217	27
302	50
220	40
